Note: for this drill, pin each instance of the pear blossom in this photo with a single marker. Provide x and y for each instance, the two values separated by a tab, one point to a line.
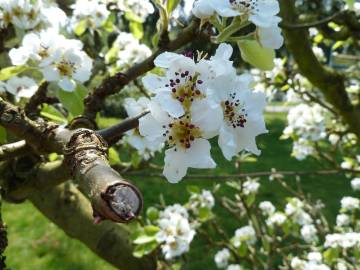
315	257
73	66
94	12
298	264
343	220
234	267
277	219
267	208
27	14
355	184
175	234
186	138
245	235
260	12
243	115
309	233
145	147
344	240
59	59
141	8
222	258
21	87
295	210
203	200
250	186
350	203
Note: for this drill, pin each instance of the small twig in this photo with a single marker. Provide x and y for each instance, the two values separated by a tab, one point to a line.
311	24
230	177
13	150
114	133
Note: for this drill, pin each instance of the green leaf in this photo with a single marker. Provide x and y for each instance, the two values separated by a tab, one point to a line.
3	137
73	101
144	239
256	55
7	73
136	29
145	249
114	157
152	213
135	159
250	199
204	213
331	255
81	27
171	5
151	230
193	189
132	17
53	114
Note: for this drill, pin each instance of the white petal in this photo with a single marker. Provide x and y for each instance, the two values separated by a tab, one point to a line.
203	9
152	82
150	128
207	116
19	56
166	59
224	51
67	84
227	142
270	37
198	155
175	167
50	73
169	104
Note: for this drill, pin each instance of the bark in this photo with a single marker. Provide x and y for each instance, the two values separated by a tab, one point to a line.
65	206
328	81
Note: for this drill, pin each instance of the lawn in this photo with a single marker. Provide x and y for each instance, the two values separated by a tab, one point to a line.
36	244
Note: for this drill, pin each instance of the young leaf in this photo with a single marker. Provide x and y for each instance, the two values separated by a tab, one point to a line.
7	73
73	101
3	137
258	56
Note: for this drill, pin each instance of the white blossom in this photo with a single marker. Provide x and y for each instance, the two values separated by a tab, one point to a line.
343	220
91	11
21	87
315	257
59	59
222	258
355	184
309	233
250	186
141	8
203	200
245	235
350	203
267	208
145	147
234	267
345	240
277	219
295	210
175	233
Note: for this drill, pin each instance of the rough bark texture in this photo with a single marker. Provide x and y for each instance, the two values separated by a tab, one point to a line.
69	209
329	82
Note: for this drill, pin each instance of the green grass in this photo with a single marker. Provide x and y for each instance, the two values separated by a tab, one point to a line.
36	244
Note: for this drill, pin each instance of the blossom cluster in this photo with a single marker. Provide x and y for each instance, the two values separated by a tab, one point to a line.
31	15
19	87
306	125
93	13
139	8
126	51
261	13
59	59
196	100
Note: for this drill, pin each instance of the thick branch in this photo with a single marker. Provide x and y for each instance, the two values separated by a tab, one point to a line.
69	209
112	85
111	197
329	82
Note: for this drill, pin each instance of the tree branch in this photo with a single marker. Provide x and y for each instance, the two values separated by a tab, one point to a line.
328	81
112	85
65	206
320	22
114	133
111	196
12	150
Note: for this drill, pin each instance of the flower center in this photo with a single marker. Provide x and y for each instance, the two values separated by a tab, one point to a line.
181	133
66	68
43	52
184	88
234	112
244	6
